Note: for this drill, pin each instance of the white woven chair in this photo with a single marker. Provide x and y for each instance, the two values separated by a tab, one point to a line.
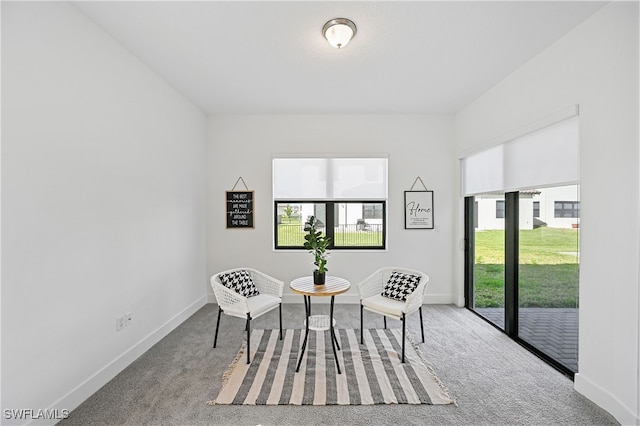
232	303
371	299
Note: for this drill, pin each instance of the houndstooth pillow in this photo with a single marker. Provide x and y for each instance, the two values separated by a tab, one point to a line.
400	285
240	282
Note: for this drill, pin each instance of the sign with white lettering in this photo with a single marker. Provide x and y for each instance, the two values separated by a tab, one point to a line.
418	209
239	209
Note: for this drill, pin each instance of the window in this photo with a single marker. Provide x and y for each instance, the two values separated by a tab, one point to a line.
499	209
536	209
372	211
570	209
343	222
347	195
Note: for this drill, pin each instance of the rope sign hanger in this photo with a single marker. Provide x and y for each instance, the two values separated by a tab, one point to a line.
243	182
421	182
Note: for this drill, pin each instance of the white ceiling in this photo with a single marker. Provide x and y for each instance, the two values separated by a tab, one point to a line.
264	57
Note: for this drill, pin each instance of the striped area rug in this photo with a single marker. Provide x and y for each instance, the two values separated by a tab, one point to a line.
371	373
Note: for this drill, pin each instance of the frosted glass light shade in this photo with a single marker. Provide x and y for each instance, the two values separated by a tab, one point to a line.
339	32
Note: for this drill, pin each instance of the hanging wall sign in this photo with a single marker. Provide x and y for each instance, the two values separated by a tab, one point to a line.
239	207
418	208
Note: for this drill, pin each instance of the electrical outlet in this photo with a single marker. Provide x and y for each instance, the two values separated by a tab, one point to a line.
128	319
120	323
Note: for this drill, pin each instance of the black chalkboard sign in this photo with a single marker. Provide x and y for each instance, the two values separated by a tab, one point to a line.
239	209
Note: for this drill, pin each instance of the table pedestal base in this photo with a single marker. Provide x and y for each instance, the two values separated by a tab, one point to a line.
319	323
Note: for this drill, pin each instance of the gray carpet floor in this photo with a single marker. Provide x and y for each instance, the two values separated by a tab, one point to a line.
492	378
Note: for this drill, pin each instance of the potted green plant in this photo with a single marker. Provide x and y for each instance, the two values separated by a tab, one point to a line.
317	243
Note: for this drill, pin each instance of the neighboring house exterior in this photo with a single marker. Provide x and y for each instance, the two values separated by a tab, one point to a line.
349	213
557	207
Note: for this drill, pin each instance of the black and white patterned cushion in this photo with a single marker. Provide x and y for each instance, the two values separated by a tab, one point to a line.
400	285
240	282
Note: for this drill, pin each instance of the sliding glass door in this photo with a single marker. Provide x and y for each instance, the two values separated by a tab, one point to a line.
488	257
522	227
548	272
522	267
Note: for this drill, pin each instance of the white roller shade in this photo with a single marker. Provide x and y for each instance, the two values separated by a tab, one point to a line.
329	178
300	178
484	171
543	158
547	157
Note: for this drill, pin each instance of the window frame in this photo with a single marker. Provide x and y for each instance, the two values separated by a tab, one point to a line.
500	209
367	212
536	209
574	211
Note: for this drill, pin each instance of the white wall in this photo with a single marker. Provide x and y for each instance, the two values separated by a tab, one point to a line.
103	207
595	66
417	145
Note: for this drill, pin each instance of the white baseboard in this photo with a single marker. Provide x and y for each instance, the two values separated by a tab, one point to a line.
605	400
101	377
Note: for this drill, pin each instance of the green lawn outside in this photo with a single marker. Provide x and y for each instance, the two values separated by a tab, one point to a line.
548	271
291	233
548	266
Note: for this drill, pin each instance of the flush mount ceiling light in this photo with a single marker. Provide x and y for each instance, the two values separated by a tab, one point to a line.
339	32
